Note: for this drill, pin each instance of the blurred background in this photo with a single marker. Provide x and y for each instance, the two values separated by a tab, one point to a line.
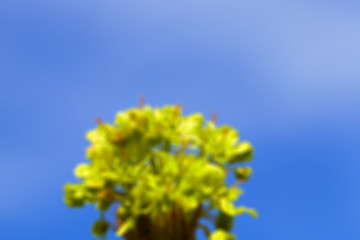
285	73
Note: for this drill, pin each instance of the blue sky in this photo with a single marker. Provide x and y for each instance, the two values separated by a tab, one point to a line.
285	73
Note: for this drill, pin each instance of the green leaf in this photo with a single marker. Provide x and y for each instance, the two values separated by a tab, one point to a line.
243	173
221	235
74	202
82	170
227	207
191	203
74	195
126	226
242	153
94	183
251	211
234	193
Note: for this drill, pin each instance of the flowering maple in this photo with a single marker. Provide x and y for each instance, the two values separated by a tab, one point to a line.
163	171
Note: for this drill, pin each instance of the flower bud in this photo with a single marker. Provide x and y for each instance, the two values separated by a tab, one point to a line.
243	173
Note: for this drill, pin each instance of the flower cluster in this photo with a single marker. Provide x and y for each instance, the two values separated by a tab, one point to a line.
163	171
